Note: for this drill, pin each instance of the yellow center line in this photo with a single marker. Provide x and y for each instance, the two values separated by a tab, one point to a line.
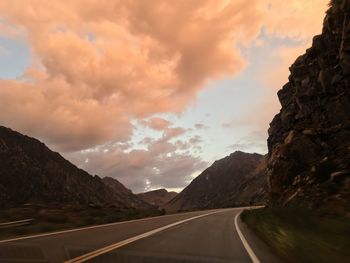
109	248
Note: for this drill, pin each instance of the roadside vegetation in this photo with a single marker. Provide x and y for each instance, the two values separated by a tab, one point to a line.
48	219
301	235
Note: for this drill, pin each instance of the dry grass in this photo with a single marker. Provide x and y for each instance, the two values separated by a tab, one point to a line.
300	235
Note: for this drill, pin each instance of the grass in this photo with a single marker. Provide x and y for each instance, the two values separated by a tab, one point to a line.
301	235
48	219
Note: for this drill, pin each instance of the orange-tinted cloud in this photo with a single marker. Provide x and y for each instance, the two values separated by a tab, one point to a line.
98	64
156	123
299	21
58	117
295	18
103	63
278	73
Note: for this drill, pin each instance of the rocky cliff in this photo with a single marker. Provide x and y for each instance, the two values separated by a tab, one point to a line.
236	180
309	140
32	173
158	197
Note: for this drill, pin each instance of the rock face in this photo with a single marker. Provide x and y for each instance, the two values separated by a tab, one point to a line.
32	173
236	180
309	140
158	197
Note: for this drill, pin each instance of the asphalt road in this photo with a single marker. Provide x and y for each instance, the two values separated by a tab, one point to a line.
205	236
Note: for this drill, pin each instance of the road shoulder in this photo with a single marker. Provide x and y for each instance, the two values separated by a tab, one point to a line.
263	252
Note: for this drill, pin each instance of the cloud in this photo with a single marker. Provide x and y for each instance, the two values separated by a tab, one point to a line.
295	19
11	30
260	114
286	21
115	58
106	63
194	141
58	117
161	164
146	140
227	125
173	132
201	126
255	140
158	124
96	66
278	73
3	51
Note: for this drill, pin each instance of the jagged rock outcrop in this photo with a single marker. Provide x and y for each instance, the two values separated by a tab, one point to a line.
31	173
309	140
236	180
158	197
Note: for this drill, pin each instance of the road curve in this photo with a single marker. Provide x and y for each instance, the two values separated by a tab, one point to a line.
205	236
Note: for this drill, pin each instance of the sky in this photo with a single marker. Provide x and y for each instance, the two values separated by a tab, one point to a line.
150	92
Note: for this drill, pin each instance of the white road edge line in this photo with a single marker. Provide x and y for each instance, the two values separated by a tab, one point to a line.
92	227
82	228
16	222
250	251
109	248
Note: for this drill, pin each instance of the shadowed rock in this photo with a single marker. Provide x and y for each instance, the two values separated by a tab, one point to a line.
236	180
31	173
309	140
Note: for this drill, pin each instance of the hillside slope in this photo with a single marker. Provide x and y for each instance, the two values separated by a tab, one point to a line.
31	173
124	195
236	180
158	197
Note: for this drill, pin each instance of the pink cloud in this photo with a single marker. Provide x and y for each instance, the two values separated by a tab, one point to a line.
158	124
161	164
295	18
173	132
104	63
194	141
58	117
96	65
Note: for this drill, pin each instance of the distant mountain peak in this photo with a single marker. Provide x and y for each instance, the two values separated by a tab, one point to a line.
236	180
158	197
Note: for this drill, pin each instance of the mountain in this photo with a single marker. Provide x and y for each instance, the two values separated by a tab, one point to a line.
31	173
309	140
157	197
124	194
236	180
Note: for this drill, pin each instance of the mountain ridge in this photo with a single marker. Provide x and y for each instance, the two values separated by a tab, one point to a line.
159	197
31	172
236	180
